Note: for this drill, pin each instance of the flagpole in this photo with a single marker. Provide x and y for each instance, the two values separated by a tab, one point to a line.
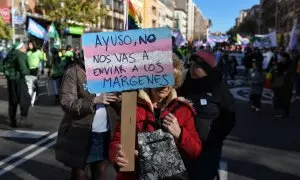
112	15
125	18
13	21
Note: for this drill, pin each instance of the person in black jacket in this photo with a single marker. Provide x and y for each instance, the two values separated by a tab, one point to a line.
215	108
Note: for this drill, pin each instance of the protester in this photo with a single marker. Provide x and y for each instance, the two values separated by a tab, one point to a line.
218	55
35	56
68	57
225	65
215	108
15	70
43	61
233	66
86	128
256	79
247	61
57	71
160	108
280	79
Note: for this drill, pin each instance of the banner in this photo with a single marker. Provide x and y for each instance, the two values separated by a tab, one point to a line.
5	14
36	30
293	37
265	41
128	60
217	39
19	20
267	59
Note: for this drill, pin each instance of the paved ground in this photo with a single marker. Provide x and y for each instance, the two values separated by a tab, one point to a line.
259	147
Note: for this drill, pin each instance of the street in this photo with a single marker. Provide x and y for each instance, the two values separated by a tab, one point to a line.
260	147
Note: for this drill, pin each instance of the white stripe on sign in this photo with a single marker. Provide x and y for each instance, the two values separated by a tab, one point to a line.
22	134
29	148
29	156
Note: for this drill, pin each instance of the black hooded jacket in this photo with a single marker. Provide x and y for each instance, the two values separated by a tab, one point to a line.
214	105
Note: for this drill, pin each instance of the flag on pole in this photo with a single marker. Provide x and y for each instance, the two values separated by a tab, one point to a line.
179	39
36	30
242	40
52	33
293	37
133	20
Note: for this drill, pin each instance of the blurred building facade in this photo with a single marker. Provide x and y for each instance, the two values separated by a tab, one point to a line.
150	17
191	19
200	25
279	16
114	19
243	14
166	13
175	14
181	16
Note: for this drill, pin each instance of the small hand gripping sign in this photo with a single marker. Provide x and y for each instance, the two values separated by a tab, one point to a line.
128	61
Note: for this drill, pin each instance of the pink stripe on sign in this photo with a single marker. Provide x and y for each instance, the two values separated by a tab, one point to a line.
167	69
161	45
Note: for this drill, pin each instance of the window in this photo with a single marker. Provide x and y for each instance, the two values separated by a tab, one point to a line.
153	23
154	10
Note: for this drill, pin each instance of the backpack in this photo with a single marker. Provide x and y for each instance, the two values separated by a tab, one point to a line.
10	67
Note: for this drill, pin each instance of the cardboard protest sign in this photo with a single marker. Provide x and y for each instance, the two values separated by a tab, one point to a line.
128	60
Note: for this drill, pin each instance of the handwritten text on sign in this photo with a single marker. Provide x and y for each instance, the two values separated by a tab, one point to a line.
128	60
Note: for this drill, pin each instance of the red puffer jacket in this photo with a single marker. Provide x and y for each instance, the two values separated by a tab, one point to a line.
189	144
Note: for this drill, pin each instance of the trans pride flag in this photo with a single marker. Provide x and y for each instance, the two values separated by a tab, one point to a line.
128	60
133	22
36	30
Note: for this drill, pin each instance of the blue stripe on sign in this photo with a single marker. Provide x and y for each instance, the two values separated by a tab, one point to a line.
119	84
89	39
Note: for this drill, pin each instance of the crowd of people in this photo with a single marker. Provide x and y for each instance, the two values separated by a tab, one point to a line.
191	118
23	65
271	68
90	131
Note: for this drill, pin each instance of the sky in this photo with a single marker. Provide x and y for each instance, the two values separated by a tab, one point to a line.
223	12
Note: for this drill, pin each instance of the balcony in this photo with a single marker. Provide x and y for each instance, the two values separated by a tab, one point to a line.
119	7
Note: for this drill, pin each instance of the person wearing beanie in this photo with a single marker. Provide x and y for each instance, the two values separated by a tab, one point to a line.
15	70
215	109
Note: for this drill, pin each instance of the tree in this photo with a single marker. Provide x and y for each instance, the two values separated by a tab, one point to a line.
71	11
5	30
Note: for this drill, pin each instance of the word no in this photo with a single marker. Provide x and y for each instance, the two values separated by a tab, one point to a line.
123	40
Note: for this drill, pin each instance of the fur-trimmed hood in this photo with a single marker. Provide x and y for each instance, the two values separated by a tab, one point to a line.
145	96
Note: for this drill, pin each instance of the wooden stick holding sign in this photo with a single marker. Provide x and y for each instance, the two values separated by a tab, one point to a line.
128	128
126	61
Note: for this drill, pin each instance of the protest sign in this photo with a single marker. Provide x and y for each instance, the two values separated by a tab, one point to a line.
266	40
128	60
